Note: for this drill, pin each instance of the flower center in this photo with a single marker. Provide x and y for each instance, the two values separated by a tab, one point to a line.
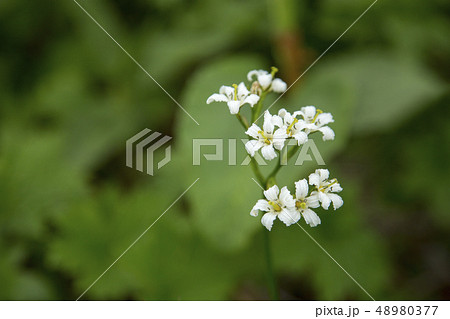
275	206
301	204
289	129
266	139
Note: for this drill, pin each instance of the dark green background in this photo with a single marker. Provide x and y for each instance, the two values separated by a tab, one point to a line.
70	98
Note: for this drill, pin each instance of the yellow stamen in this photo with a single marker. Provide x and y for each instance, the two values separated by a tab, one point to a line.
301	204
288	130
274	70
266	140
317	114
235	91
275	206
332	182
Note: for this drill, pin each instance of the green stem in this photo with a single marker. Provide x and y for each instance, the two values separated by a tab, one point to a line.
242	120
257	172
291	153
271	280
257	108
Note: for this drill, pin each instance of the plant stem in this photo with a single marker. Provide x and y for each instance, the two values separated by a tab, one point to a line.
271	280
257	172
291	153
242	120
257	108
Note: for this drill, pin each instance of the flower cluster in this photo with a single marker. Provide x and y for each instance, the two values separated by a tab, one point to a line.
278	128
237	95
290	209
265	81
271	139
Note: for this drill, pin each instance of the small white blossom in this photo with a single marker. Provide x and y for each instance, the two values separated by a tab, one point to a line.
315	120
278	85
235	97
267	81
267	139
304	203
278	204
325	188
292	127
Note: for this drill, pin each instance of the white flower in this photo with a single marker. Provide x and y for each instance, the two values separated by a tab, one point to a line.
278	85
315	120
325	188
278	204
304	203
235	97
267	81
267	139
292	127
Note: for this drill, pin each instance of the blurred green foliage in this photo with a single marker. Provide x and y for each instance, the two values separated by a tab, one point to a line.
70	98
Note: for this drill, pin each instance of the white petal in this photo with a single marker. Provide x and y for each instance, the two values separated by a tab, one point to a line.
279	138
253	131
253	146
278	86
336	199
265	80
324	119
277	121
272	193
301	137
286	198
311	218
282	113
336	188
313	200
253	73
261	204
228	91
301	189
252	99
301	125
267	220
309	112
242	91
309	126
289	217
323	174
325	200
268	152
268	125
288	118
234	106
216	98
298	113
328	133
314	179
